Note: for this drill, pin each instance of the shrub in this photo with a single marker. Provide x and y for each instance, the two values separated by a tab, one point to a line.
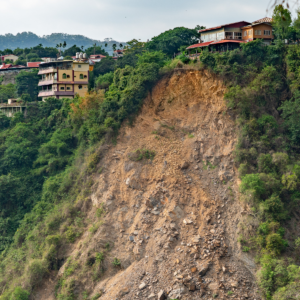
116	262
36	270
253	183
19	294
275	243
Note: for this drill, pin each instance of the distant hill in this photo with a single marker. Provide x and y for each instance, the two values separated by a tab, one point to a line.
30	39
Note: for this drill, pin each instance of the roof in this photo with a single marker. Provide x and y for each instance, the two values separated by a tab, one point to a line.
237	24
227	41
94	56
33	64
263	20
214	43
10	66
9	55
199	45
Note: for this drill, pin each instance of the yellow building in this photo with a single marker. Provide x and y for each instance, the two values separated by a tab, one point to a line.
64	78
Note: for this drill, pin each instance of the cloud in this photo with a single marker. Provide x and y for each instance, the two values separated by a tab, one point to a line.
123	19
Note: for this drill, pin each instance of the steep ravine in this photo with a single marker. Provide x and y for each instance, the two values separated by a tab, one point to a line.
171	221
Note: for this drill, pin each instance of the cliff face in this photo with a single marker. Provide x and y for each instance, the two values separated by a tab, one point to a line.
171	221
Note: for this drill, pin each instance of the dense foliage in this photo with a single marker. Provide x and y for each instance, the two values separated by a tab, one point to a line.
170	41
263	93
43	171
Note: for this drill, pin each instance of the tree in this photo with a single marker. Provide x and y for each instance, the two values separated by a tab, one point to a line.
170	41
104	66
281	22
27	82
72	51
7	91
95	49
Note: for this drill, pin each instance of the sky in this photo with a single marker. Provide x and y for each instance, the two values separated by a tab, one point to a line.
123	20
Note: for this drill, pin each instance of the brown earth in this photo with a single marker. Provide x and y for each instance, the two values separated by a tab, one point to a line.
172	220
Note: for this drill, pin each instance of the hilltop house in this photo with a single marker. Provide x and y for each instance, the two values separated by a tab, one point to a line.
230	36
64	78
10	57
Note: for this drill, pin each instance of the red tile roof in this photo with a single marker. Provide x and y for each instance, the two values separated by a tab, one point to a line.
199	45
10	66
214	43
33	64
235	24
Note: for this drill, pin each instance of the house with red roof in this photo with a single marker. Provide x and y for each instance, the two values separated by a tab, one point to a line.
35	64
230	36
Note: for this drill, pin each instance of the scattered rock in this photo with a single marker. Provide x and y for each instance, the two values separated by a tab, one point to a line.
151	296
187	221
184	165
194	269
161	295
142	285
123	292
131	238
204	268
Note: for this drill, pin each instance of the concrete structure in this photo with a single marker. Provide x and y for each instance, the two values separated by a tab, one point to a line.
230	36
64	78
13	106
11	57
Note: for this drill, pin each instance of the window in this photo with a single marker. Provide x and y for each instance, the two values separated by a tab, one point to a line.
68	76
62	87
267	32
64	76
245	33
79	66
250	32
80	87
68	88
85	76
81	76
257	32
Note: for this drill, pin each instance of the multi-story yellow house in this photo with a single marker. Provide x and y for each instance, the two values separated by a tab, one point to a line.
63	78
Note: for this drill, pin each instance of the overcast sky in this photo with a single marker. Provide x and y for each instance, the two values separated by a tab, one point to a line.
122	20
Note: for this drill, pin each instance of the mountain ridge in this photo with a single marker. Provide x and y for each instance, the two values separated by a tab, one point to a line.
30	39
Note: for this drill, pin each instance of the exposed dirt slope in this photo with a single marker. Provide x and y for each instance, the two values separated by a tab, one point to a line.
172	220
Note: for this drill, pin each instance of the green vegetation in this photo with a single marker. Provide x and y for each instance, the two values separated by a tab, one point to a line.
46	159
263	92
141	154
116	262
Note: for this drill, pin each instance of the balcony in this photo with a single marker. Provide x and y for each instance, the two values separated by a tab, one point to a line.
47	82
51	93
47	70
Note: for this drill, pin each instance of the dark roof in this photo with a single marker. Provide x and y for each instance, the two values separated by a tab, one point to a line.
235	24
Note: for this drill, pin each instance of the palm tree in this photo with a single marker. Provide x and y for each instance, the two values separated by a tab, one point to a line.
59	46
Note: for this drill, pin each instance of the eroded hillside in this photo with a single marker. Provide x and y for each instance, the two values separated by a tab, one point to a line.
169	191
